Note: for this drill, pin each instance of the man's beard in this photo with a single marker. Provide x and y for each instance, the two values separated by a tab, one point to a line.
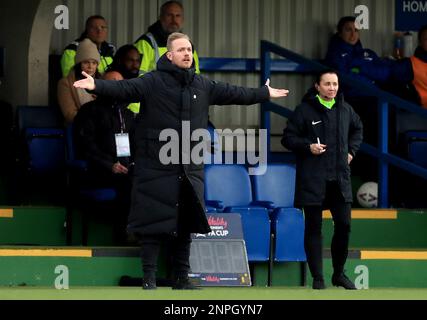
127	74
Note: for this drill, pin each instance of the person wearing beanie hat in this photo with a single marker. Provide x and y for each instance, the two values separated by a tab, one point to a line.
70	99
87	50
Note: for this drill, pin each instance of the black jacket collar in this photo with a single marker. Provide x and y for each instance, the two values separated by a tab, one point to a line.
310	98
183	76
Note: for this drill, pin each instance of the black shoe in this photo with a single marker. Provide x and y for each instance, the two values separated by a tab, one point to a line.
319	284
149	283
184	284
341	280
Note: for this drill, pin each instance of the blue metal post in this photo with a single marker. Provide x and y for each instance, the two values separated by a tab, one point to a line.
383	146
265	74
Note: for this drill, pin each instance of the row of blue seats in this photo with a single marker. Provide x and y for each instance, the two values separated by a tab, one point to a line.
271	225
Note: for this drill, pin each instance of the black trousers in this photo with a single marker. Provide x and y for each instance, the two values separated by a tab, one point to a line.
178	246
341	214
178	252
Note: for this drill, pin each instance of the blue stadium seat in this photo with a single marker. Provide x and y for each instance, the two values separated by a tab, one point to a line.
228	189
39	117
289	230
417	147
41	155
86	197
46	150
275	190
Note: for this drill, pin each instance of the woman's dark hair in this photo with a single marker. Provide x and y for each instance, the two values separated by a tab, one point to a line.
88	21
78	72
321	73
421	31
343	21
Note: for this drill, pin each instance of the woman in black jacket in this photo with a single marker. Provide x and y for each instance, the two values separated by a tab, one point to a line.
325	133
168	199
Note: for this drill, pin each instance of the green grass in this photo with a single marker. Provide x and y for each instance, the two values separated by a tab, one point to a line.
254	293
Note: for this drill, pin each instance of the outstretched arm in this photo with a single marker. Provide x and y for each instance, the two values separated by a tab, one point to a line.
225	94
87	83
276	93
131	90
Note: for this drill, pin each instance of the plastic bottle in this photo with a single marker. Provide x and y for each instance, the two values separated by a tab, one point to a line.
407	45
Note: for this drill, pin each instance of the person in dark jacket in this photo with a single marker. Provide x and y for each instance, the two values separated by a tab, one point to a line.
325	133
98	126
347	55
168	199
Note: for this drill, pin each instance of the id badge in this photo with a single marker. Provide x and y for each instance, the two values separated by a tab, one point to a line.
122	145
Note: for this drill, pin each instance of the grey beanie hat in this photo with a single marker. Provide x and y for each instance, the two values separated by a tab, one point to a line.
87	50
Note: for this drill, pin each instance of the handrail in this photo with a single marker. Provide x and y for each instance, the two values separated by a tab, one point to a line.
248	65
385	100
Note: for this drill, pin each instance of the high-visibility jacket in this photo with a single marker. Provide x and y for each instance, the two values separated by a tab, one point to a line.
419	68
67	60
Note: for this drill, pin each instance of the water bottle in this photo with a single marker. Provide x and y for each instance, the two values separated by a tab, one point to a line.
407	45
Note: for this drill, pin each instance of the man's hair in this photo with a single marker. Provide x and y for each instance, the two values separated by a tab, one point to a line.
167	4
421	31
343	21
88	21
326	71
175	36
95	17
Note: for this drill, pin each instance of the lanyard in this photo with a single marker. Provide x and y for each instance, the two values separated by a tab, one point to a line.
122	123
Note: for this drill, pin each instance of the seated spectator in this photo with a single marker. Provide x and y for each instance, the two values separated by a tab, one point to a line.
126	62
98	127
70	99
419	68
347	56
96	30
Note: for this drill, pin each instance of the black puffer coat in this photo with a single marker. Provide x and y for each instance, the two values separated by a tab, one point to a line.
169	96
308	123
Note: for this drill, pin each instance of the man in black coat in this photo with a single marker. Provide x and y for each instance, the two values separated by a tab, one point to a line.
325	133
168	199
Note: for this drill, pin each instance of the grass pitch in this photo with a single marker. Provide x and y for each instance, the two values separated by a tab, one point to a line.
253	293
